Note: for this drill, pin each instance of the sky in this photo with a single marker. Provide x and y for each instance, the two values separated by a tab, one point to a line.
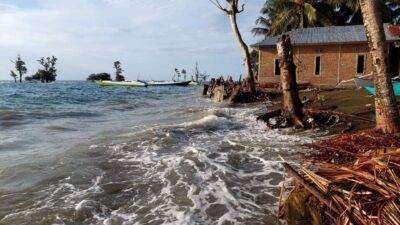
149	37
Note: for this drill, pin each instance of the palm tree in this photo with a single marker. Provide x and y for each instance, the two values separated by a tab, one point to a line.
280	16
349	11
386	112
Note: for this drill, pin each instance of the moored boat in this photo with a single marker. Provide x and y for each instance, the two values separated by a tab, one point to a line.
370	87
362	82
122	83
396	89
194	83
168	83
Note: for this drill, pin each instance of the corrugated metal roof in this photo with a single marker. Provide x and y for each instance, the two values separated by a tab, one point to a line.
325	35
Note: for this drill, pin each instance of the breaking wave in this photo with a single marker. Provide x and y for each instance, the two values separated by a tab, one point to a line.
210	165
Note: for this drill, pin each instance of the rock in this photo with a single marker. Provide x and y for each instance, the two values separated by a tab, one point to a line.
216	211
265	199
114	220
213	155
85	209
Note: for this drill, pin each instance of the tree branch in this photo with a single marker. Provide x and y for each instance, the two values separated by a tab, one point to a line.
219	6
242	9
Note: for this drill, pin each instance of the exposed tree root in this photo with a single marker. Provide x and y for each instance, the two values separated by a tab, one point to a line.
234	92
312	119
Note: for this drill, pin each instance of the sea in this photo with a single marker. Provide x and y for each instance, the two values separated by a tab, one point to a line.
75	153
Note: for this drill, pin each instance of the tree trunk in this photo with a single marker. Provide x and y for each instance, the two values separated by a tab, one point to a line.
292	108
243	48
20	77
387	115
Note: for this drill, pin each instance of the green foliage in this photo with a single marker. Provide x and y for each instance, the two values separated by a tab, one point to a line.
48	73
349	12
13	75
99	76
20	67
321	99
280	16
118	71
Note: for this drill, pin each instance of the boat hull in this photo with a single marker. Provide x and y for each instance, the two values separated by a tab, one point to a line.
122	83
396	89
361	82
155	83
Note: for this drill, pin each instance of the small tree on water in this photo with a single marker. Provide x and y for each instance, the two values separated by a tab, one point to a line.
20	67
118	71
14	75
49	71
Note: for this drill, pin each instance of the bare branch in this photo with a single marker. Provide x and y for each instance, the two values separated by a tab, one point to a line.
218	5
242	9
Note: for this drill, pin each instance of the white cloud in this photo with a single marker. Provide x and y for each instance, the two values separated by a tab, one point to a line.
150	37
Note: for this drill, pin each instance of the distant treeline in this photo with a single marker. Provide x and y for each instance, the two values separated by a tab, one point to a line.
107	76
45	75
99	76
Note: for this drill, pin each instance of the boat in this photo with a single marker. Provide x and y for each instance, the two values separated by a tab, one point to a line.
368	85
122	83
167	83
396	89
362	82
194	83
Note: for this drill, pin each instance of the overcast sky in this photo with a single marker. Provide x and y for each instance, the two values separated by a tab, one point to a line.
149	37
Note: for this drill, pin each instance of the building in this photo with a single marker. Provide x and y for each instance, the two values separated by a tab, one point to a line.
325	56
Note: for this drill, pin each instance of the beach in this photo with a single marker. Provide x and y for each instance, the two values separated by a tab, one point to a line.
74	153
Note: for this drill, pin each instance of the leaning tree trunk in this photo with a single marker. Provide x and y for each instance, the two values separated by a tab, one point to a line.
387	115
292	108
243	48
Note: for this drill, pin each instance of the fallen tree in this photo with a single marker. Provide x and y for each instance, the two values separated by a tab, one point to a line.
221	89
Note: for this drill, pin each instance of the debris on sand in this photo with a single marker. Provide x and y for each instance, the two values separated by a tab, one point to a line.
353	179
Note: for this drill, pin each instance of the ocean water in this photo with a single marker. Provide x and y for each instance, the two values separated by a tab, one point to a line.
75	153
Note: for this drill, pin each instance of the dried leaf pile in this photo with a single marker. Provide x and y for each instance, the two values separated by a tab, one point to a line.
344	148
364	188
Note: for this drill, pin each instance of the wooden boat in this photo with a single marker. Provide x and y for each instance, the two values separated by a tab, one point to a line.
396	89
167	83
121	83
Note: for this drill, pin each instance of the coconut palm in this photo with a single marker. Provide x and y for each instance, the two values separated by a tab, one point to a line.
386	111
349	11
280	16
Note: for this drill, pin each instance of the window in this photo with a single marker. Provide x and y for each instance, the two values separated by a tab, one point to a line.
317	69
277	68
360	64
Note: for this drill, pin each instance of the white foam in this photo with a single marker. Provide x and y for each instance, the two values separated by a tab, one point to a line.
210	121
